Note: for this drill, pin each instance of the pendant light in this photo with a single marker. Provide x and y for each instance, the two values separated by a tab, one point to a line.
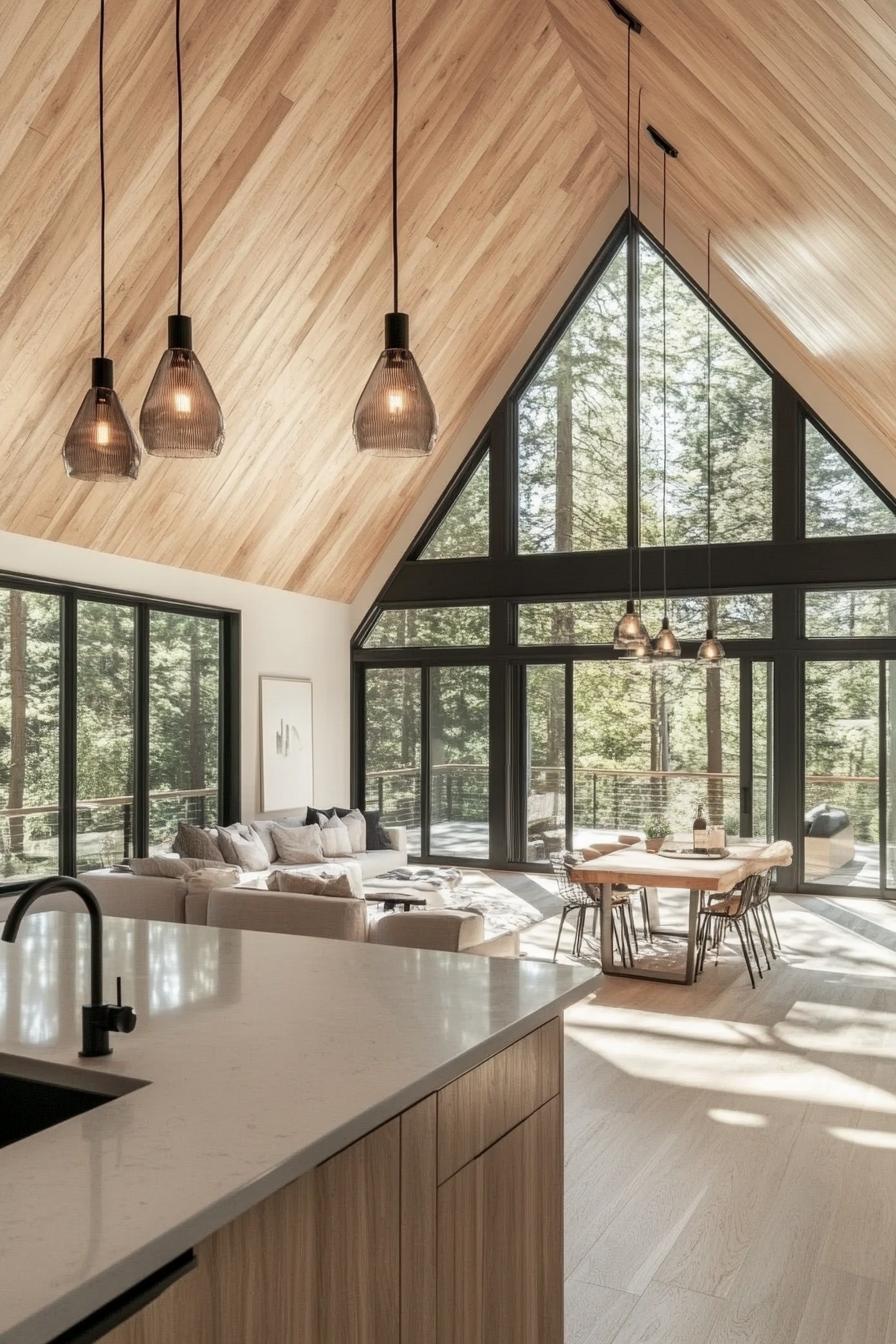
395	416
711	651
101	444
181	416
666	644
630	631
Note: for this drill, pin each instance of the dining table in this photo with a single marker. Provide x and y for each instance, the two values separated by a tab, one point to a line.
672	868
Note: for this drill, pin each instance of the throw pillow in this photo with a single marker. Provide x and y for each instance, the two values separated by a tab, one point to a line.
353	821
162	865
298	844
241	846
193	842
335	839
264	826
206	879
322	883
314	816
376	836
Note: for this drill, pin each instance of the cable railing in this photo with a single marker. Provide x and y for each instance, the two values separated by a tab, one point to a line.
29	835
606	799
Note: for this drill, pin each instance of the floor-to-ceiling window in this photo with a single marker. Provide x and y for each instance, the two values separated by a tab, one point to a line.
118	718
644	418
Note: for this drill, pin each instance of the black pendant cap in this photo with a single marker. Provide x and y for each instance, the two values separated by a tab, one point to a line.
101	373
398	331
180	332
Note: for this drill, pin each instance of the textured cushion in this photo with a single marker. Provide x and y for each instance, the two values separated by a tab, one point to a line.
241	846
206	879
332	882
335	839
376	836
354	822
264	827
298	844
166	865
193	842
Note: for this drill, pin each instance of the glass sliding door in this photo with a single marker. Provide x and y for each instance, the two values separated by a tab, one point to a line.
184	723
760	817
459	761
30	629
842	772
392	701
545	760
105	733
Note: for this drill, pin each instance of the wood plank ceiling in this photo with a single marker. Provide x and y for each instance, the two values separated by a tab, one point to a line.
287	278
513	137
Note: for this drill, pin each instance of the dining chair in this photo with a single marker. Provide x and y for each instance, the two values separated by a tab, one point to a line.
580	899
730	910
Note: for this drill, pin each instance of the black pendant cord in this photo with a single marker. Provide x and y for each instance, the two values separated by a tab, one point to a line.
665	434
102	109
180	158
394	155
709	413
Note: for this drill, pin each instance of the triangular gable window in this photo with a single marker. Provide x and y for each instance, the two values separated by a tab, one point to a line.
463	532
839	501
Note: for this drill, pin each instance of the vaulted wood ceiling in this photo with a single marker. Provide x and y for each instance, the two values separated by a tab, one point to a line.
513	137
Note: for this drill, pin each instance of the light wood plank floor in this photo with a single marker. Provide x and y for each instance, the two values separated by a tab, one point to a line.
731	1154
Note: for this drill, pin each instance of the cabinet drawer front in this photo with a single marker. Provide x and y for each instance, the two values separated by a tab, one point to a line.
477	1108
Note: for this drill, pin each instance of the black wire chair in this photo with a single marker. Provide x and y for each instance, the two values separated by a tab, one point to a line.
731	910
580	900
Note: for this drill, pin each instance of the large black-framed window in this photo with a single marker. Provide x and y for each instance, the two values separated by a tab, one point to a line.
820	526
119	716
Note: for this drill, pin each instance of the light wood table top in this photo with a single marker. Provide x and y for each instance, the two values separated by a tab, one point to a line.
639	868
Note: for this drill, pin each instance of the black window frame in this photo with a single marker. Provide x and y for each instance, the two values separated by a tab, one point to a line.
229	719
787	565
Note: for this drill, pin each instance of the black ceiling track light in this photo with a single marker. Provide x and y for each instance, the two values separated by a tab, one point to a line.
395	415
181	416
101	444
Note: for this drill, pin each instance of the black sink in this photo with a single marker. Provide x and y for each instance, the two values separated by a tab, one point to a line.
27	1106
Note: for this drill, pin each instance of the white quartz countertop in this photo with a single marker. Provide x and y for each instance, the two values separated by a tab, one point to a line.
263	1054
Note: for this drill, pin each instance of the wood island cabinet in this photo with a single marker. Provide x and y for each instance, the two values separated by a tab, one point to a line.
442	1226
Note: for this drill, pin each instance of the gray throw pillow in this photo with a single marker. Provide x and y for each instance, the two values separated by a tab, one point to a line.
193	842
241	846
335	839
322	883
298	844
264	828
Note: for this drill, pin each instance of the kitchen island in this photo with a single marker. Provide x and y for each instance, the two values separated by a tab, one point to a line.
310	1142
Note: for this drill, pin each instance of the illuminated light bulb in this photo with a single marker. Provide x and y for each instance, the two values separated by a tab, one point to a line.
711	651
629	628
101	444
181	416
666	644
395	415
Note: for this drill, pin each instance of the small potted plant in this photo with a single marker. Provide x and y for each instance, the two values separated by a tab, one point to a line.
656	830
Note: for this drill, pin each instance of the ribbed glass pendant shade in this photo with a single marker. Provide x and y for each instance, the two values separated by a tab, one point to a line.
666	644
101	444
711	650
181	416
639	650
629	628
395	415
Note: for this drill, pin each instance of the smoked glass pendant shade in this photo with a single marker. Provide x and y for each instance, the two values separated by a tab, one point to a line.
395	415
711	650
101	444
639	650
629	628
181	416
666	644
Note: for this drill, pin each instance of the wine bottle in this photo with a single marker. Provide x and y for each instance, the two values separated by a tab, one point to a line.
701	838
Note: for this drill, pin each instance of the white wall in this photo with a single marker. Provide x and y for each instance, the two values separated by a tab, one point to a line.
282	633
